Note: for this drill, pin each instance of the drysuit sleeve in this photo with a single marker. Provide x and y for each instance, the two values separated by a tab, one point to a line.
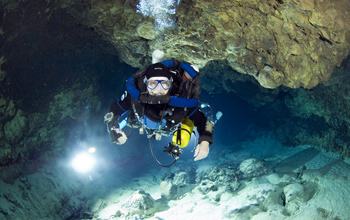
121	106
204	127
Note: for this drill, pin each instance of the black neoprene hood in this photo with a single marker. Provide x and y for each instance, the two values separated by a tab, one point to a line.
158	69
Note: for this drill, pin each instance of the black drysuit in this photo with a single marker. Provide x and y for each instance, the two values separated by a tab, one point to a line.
158	112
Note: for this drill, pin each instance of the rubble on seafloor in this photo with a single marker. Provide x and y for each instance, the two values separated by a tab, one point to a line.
253	190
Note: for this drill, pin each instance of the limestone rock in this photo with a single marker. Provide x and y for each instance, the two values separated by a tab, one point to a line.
181	179
218	77
293	197
270	78
14	129
146	31
252	168
2	73
214	177
139	202
168	190
7	108
216	181
251	197
49	66
319	117
206	186
43	196
5	152
293	191
176	184
291	43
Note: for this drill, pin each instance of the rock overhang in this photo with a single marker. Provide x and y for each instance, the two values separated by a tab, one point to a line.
292	43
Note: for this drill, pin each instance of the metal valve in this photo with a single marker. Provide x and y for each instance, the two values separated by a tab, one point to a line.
142	130
158	136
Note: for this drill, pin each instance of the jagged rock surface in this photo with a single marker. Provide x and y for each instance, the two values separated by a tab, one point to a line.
49	74
43	195
293	43
318	117
211	179
252	168
139	202
168	190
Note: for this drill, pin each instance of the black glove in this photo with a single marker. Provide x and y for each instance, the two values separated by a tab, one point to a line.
159	99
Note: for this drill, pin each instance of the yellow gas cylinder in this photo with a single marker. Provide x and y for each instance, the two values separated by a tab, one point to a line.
185	133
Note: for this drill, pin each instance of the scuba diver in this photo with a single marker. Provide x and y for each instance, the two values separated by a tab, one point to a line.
163	100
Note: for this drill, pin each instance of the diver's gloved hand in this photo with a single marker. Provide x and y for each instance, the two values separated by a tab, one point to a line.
118	136
149	99
201	151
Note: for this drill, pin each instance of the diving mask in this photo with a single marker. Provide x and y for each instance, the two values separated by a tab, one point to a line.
158	85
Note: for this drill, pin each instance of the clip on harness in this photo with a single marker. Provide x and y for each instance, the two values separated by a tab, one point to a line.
173	150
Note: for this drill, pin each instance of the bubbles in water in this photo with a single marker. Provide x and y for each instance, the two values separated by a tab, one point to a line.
161	10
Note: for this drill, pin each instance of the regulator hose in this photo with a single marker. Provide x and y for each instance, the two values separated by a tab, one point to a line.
155	158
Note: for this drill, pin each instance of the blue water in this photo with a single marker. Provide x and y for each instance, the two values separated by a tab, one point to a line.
60	56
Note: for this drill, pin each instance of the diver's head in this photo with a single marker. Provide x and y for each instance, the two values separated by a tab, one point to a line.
158	79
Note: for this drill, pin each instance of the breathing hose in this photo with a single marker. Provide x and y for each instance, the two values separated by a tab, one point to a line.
155	158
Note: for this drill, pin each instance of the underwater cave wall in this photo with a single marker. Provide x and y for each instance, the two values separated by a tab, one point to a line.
323	113
318	116
291	43
52	69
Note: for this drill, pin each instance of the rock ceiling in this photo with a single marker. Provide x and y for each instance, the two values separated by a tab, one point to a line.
295	43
